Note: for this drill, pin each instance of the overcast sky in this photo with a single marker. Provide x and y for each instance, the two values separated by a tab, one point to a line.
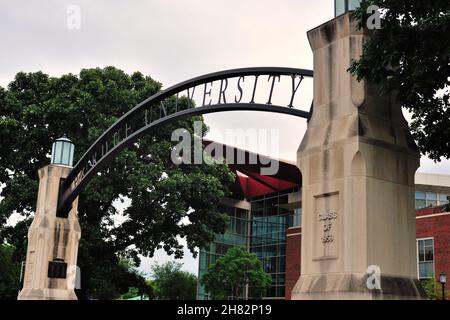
170	40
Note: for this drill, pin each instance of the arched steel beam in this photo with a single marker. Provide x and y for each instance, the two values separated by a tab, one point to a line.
89	165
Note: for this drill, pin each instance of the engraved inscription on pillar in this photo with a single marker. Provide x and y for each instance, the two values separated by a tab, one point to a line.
326	225
327	220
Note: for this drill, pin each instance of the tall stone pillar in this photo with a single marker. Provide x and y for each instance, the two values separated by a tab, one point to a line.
358	162
50	268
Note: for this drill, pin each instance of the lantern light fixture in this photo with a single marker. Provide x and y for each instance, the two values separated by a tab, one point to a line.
62	151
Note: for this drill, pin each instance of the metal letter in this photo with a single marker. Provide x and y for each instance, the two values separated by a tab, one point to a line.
254	89
116	135
190	96
146	117
271	87
206	93
104	148
94	159
127	129
222	91
240	90
163	109
294	89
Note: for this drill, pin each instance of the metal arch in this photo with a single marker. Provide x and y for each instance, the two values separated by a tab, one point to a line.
68	193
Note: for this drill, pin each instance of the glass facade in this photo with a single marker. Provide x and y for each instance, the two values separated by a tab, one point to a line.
235	235
267	223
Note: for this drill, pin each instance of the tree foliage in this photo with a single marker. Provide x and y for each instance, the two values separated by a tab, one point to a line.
9	273
171	283
231	273
433	289
131	293
142	288
410	56
36	109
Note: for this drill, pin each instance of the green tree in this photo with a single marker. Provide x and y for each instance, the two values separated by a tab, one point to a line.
410	57
9	273
231	273
130	275
171	283
433	288
150	289
132	292
137	293
36	109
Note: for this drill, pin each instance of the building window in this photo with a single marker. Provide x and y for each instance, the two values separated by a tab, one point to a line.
295	220
430	199
443	199
425	258
421	201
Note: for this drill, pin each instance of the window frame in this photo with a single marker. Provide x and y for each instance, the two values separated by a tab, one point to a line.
418	261
438	201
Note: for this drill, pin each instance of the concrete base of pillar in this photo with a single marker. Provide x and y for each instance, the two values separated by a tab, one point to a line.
353	286
47	294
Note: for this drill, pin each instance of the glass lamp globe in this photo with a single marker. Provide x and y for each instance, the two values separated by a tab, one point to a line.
443	278
62	151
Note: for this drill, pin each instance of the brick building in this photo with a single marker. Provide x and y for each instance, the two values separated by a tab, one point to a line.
432	224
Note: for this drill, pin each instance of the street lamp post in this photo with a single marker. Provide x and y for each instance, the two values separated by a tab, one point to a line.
443	280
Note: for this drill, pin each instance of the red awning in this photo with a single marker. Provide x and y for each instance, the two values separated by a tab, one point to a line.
250	182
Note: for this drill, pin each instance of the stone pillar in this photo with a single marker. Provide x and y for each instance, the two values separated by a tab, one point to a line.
51	239
358	162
